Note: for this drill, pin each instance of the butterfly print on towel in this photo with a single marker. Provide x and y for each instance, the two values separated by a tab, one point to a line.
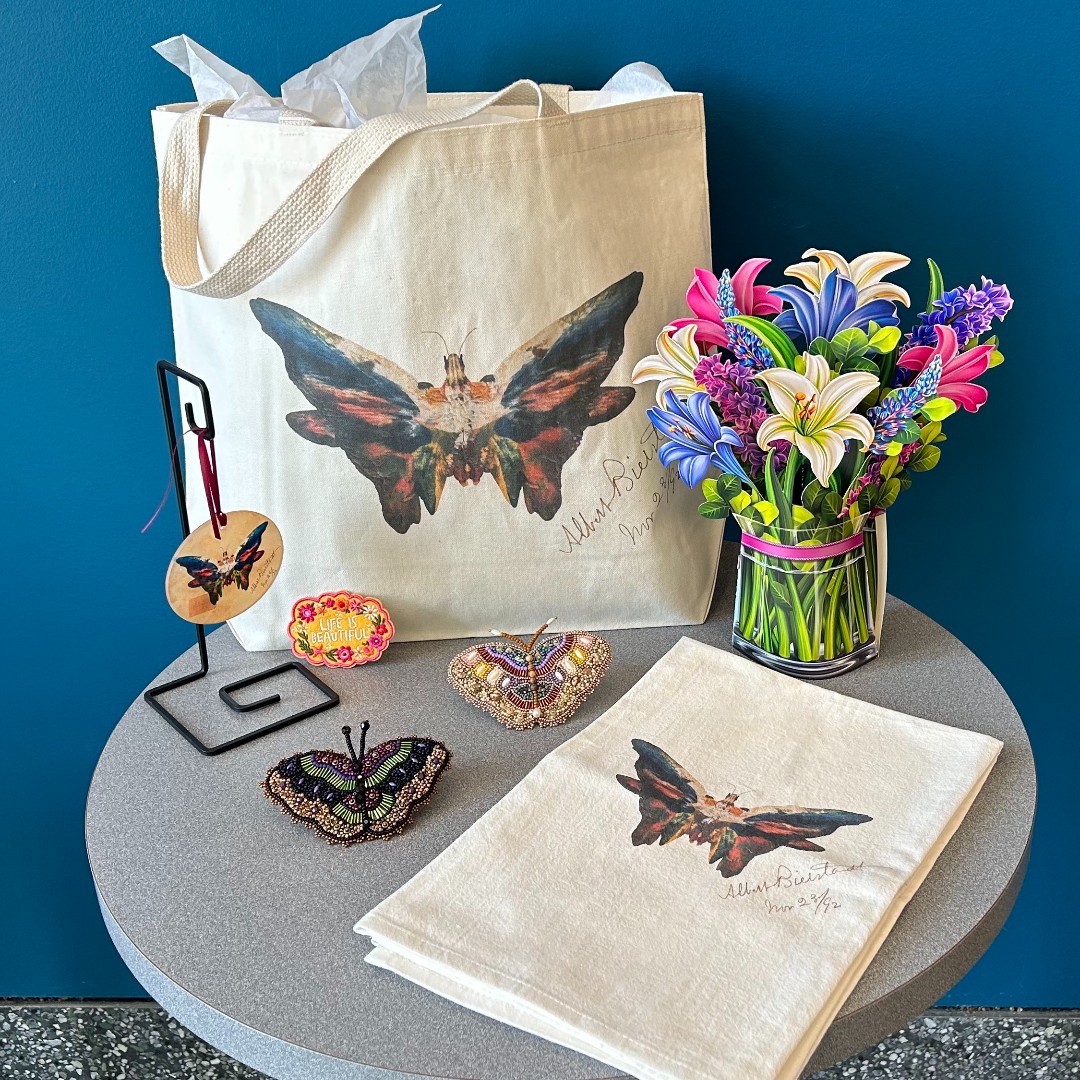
673	804
520	425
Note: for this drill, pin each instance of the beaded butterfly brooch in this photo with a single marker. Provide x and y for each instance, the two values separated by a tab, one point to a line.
531	684
365	796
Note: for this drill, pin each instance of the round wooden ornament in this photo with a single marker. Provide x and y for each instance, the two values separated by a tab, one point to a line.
211	579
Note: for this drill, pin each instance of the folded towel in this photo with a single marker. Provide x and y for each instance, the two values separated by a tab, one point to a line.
691	886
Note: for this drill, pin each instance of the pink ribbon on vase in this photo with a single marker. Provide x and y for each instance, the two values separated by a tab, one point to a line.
810	553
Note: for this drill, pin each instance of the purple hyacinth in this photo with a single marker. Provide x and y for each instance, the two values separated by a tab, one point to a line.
872	475
900	406
745	344
970	312
742	405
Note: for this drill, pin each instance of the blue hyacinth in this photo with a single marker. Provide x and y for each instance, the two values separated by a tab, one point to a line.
745	344
897	408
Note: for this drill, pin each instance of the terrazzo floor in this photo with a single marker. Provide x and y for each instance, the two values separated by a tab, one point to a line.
137	1041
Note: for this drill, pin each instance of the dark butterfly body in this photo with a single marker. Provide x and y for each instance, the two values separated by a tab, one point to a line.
520	425
214	577
673	804
344	804
531	684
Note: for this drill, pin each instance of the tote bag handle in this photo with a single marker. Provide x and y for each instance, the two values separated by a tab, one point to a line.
306	208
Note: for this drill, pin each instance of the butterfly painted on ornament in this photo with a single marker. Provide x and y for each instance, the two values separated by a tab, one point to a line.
214	577
520	425
527	684
369	795
673	804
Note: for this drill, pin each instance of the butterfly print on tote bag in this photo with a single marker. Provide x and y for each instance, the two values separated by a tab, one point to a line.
520	425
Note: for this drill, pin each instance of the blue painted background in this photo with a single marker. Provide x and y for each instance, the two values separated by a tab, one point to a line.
929	128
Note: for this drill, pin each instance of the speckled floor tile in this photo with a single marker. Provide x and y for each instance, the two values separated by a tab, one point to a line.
139	1042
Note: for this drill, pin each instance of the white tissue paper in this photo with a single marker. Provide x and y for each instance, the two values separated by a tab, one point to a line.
381	73
635	82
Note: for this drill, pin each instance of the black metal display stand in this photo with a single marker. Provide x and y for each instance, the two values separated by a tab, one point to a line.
151	697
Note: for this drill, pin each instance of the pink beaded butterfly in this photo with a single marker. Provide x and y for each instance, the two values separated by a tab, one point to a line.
534	683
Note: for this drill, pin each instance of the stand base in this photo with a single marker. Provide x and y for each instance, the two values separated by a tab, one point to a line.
330	699
806	669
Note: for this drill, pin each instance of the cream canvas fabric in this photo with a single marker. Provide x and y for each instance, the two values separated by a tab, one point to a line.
313	272
648	957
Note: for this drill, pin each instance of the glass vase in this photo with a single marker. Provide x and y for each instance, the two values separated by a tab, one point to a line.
803	601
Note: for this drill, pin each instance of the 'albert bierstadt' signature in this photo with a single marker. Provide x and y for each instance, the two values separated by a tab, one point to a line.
621	476
787	878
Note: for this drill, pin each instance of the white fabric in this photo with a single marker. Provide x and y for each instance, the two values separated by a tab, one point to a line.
545	916
414	223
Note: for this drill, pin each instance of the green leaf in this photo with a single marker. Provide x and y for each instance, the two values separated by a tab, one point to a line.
996	358
779	594
924	459
937	284
812	495
860	363
929	432
868	498
938	408
766	511
886	339
708	489
894	448
889	467
832	505
800	515
889	491
820	347
848	344
740	503
727	487
776	341
712	510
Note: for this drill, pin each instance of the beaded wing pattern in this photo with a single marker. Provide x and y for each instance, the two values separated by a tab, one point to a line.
350	798
527	684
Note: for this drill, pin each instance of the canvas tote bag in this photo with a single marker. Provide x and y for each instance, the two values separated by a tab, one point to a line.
323	282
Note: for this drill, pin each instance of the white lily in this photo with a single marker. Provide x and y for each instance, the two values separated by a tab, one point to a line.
866	272
816	412
672	364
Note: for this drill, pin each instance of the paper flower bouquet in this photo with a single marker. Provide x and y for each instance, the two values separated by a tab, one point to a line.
803	410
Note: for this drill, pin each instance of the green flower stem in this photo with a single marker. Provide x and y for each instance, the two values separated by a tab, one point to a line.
845	629
859	603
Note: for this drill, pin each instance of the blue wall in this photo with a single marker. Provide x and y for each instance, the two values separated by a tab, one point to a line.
944	129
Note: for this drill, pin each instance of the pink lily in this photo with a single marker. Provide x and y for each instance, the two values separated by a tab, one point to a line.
957	368
750	299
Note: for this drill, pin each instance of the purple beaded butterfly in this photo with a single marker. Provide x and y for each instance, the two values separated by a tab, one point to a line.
365	796
526	684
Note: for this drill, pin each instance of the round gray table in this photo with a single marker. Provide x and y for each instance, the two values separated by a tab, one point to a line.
239	922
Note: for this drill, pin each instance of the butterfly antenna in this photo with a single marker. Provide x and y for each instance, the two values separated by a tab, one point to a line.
512	637
466	338
358	768
536	636
440	337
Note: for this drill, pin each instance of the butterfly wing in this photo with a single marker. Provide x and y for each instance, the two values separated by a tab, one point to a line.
552	390
668	796
765	828
248	555
319	789
204	575
365	404
495	677
397	776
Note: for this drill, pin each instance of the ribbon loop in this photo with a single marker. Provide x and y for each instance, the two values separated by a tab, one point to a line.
208	465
